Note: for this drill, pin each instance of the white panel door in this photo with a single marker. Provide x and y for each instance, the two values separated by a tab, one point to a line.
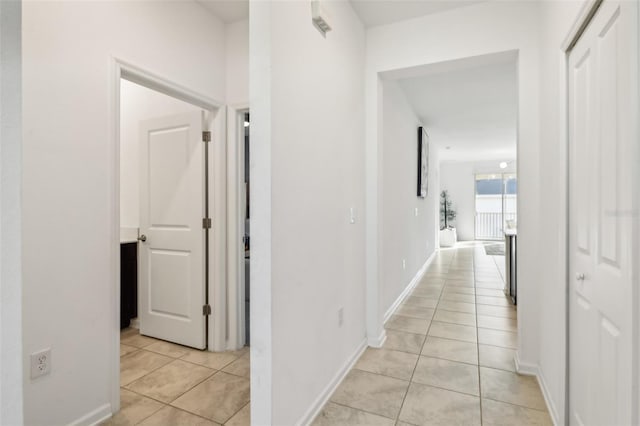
171	273
601	134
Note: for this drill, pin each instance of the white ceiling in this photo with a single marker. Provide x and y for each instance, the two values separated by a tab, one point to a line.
381	12
227	10
472	110
371	12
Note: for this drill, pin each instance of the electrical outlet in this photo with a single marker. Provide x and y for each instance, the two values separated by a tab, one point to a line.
340	317
40	363
404	264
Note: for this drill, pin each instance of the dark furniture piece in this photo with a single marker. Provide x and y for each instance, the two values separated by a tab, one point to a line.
128	283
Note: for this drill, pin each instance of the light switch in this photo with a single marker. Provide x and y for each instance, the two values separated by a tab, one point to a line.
416	212
352	215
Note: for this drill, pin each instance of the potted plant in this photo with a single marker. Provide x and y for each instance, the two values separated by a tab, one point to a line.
448	235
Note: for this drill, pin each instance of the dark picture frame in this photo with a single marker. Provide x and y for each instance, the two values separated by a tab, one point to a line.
423	162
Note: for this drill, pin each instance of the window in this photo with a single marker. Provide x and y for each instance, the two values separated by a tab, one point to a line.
496	204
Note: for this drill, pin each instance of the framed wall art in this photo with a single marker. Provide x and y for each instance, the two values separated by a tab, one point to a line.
423	162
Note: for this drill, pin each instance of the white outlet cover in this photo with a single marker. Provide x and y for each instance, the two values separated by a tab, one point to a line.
40	363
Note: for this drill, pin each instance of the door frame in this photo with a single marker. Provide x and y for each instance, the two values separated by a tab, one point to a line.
121	69
235	213
586	14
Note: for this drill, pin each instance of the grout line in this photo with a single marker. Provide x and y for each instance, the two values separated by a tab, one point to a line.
478	342
359	409
517	405
419	355
234	414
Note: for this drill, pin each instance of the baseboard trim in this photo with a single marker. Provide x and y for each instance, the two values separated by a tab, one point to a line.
553	413
324	396
527	369
95	417
414	282
377	342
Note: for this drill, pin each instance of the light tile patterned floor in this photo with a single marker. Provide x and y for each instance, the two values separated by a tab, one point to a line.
167	384
448	357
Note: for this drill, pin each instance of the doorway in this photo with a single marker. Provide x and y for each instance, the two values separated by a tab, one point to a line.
175	165
247	229
163	200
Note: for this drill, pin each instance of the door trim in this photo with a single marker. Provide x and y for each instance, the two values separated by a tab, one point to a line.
235	213
121	69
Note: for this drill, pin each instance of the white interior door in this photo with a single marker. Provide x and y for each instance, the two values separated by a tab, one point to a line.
172	262
601	133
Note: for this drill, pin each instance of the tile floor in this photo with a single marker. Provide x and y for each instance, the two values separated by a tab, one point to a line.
167	384
448	357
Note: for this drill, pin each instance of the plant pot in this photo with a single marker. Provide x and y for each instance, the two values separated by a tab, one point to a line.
448	237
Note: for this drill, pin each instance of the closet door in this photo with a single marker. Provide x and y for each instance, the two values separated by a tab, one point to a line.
602	134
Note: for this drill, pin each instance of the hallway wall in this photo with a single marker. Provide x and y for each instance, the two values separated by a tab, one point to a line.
237	62
11	360
484	28
405	235
307	172
556	21
68	167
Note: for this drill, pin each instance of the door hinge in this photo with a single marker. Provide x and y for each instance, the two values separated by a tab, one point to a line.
206	136
206	223
206	310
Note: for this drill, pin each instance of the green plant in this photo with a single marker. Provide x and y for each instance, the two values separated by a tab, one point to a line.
447	213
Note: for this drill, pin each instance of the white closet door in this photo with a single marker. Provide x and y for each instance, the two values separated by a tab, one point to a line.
602	134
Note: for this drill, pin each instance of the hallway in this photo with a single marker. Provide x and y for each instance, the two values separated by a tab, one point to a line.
448	357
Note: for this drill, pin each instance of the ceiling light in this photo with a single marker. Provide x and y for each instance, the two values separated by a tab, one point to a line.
503	165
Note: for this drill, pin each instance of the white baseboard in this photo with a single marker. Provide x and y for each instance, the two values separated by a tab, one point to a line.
553	413
95	417
414	282
525	369
528	369
324	396
378	341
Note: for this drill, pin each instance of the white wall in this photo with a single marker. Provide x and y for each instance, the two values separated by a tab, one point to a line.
307	100
237	63
68	175
483	28
137	103
11	401
405	235
556	21
458	178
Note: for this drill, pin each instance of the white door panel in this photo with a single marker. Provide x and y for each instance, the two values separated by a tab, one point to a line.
171	273
601	132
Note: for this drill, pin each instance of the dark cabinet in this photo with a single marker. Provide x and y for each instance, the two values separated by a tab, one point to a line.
128	283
